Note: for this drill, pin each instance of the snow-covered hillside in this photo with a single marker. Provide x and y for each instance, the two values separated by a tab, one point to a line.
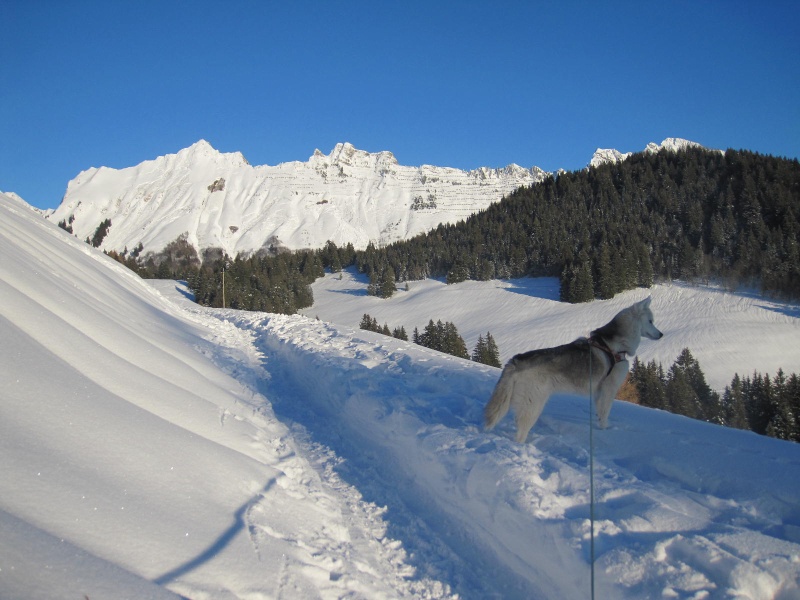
728	332
219	199
152	447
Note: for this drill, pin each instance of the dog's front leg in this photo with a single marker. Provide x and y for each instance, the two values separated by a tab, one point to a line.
608	389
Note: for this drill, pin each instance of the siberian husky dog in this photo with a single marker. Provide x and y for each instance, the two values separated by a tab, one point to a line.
528	380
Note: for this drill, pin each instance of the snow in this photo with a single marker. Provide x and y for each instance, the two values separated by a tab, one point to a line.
347	196
610	155
728	332
150	447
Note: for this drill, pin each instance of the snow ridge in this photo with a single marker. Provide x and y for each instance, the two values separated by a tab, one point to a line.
607	155
219	199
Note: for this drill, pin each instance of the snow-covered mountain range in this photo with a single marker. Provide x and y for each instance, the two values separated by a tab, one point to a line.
154	448
219	200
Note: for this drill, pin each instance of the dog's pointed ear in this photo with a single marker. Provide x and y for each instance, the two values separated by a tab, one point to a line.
646	302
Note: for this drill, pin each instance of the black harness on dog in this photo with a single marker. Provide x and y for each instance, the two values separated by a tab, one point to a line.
614	357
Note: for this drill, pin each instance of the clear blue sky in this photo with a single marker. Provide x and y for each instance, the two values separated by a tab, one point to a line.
461	84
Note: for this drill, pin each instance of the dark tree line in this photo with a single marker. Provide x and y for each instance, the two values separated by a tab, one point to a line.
692	214
682	390
279	284
486	351
763	404
371	324
771	406
269	281
443	337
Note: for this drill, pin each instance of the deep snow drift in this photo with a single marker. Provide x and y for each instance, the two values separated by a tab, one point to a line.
149	446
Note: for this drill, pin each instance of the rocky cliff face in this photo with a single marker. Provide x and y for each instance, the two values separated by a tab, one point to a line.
220	200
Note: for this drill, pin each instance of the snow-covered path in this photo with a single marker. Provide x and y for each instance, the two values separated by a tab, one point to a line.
137	456
512	521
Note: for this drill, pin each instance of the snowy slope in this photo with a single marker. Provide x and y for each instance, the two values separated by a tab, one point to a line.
131	459
728	332
347	196
150	446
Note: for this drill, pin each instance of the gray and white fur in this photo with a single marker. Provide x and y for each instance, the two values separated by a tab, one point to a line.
528	380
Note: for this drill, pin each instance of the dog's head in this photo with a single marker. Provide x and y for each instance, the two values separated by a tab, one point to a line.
645	315
631	324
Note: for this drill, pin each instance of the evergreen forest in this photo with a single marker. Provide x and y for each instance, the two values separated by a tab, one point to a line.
763	404
694	214
443	337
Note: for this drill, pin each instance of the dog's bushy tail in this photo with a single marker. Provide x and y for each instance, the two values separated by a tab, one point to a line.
500	402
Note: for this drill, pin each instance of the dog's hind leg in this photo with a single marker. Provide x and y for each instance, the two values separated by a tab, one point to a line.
608	389
527	411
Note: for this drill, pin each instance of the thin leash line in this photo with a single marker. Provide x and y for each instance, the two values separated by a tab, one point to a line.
591	475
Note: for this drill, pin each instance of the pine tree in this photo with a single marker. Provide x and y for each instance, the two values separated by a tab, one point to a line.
709	406
492	351
486	351
453	342
443	337
163	271
388	285
373	286
650	384
479	352
459	272
734	405
100	233
583	285
759	403
368	323
792	397
681	398
781	423
644	267
605	276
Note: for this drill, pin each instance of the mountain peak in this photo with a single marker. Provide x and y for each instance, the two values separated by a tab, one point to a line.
202	150
672	145
218	200
344	153
200	147
201	143
609	155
